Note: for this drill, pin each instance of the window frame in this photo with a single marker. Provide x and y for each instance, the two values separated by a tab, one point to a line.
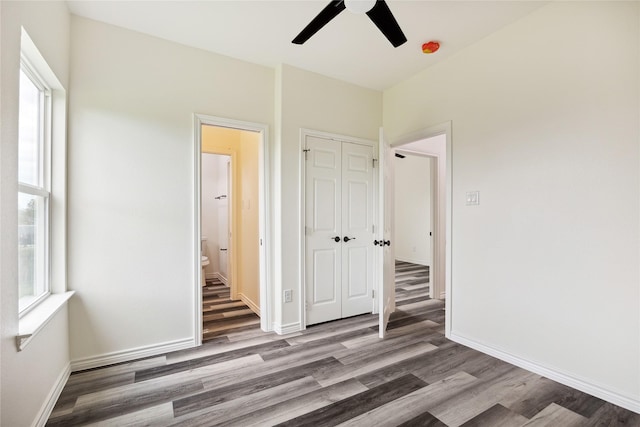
44	172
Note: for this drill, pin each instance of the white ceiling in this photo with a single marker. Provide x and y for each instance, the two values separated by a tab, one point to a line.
349	48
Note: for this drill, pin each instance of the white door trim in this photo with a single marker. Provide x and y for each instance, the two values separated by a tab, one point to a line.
302	212
440	129
264	203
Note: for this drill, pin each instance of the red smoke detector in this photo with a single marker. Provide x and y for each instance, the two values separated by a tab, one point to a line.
430	47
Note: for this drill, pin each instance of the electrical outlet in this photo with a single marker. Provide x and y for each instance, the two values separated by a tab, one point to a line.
287	295
472	198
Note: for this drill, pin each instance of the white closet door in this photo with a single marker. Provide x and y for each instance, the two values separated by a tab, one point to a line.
357	222
323	225
339	235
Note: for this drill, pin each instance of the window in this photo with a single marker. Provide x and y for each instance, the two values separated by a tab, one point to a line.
33	188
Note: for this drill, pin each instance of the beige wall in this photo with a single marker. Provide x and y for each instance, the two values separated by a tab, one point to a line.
545	117
248	218
27	378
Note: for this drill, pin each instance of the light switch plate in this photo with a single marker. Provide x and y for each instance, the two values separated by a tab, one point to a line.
472	198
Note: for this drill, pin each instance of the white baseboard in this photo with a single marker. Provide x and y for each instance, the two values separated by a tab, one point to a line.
132	354
255	308
443	295
287	329
223	279
626	402
52	397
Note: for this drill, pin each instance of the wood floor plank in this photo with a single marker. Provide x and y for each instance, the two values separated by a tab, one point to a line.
423	420
240	388
555	415
439	357
356	405
343	373
482	396
139	395
610	415
302	404
156	416
248	404
415	404
311	366
160	371
497	416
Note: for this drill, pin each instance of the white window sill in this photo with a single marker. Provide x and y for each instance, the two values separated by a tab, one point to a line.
33	322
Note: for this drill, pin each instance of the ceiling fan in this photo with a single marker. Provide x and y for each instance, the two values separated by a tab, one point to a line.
377	10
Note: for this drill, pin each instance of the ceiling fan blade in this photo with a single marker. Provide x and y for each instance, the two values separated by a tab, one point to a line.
327	14
383	18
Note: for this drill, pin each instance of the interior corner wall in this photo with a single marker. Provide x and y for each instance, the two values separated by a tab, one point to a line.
27	379
312	101
131	183
545	117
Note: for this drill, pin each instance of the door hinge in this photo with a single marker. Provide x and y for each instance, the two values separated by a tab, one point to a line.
260	242
305	151
373	293
373	161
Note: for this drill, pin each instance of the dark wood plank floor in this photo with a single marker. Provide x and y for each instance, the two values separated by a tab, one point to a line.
337	373
222	316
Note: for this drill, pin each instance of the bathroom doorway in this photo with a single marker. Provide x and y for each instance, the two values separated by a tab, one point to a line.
231	215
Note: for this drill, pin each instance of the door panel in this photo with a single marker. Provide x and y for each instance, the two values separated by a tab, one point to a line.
325	271
325	197
386	264
323	256
357	225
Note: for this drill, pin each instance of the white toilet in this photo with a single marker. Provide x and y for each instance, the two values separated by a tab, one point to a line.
204	258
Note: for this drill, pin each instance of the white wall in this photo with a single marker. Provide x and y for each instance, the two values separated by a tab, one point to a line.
131	182
413	209
28	377
309	100
545	120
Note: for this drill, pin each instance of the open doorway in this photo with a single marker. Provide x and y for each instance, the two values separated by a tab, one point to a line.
230	233
414	205
433	149
435	143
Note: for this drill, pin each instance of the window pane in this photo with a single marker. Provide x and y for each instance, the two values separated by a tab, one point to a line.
32	275
29	132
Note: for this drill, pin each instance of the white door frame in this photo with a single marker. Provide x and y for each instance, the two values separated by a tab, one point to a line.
446	246
263	215
303	176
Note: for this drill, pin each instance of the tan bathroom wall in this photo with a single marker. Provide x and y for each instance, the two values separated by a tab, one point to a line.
248	221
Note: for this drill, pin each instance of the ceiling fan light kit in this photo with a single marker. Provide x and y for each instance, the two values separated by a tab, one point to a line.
377	10
359	7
